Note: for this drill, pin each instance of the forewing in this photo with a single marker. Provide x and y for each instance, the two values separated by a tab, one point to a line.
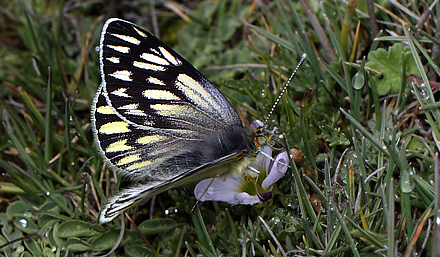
149	85
152	104
134	150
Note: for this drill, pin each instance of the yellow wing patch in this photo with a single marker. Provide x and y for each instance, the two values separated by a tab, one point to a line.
156	94
124	75
148	66
105	110
121	49
151	139
114	128
138	165
118	146
128	39
129	159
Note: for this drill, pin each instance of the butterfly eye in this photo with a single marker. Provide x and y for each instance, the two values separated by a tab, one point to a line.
260	140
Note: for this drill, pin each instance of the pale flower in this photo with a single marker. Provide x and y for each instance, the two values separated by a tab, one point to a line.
248	188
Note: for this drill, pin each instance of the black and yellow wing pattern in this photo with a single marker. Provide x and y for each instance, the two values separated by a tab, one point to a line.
156	118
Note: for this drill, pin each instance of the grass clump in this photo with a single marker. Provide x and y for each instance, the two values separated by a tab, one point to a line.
363	111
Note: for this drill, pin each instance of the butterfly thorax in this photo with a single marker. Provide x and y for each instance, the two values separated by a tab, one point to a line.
230	150
238	140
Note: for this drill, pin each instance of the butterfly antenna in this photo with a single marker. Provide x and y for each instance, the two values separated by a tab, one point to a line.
303	58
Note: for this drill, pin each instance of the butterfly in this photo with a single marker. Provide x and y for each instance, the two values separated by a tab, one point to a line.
159	122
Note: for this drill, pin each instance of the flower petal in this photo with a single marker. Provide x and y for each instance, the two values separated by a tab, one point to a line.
266	195
246	199
262	161
256	124
217	189
277	171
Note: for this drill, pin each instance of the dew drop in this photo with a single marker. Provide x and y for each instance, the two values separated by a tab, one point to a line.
20	249
23	222
423	92
275	220
406	182
171	212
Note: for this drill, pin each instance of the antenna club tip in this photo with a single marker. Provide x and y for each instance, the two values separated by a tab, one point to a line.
304	55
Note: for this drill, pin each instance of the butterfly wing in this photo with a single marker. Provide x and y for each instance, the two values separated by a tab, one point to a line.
152	103
135	194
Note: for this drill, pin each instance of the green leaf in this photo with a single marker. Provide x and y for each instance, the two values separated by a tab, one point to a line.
282	42
3	240
371	238
138	251
44	219
26	254
77	228
389	64
47	252
25	224
17	208
5	224
76	244
33	247
53	237
107	240
228	25
156	226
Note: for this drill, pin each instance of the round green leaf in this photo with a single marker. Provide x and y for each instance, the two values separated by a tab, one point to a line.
107	240
76	244
47	252
156	226
25	224
138	251
54	239
77	228
17	208
26	254
33	247
389	64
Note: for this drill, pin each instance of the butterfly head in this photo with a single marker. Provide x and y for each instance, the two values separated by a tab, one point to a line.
263	135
